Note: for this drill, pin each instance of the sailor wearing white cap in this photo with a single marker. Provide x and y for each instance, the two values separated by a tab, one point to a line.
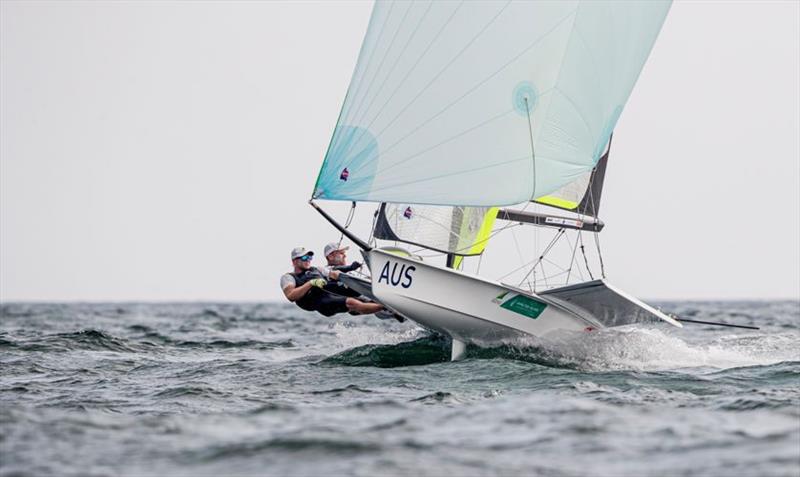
336	255
307	287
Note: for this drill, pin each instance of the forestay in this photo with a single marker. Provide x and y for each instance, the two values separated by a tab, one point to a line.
484	103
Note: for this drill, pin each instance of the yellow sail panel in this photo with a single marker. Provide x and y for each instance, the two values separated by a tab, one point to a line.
557	202
482	238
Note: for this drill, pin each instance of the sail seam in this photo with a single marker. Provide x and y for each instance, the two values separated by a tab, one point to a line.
439	74
357	109
335	135
441	143
466	171
396	62
367	64
435	78
481	83
400	84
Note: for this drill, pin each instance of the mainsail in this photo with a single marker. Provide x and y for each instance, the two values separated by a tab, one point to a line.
485	103
458	230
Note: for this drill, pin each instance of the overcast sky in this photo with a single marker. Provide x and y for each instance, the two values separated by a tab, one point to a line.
167	151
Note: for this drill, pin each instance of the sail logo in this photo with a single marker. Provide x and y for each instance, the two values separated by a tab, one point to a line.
344	175
408	213
394	275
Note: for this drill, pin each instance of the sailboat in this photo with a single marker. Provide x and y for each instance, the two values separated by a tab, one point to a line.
461	115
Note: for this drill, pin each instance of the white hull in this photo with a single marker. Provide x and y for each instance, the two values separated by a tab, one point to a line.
469	308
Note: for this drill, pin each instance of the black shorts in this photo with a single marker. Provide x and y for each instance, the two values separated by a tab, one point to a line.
330	305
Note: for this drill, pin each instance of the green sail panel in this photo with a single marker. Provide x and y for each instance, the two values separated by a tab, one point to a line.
485	103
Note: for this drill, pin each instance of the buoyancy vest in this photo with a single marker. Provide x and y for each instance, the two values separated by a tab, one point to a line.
309	300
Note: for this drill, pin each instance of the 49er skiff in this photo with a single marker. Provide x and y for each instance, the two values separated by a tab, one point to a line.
458	110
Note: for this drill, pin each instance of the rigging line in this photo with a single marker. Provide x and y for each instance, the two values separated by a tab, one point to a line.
521	258
396	62
544	274
510	225
546	250
524	265
385	55
599	254
585	260
494	233
347	222
572	258
342	113
439	252
478	85
414	67
533	152
372	238
554	264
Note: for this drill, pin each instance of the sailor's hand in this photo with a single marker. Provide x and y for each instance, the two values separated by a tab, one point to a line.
318	282
355	265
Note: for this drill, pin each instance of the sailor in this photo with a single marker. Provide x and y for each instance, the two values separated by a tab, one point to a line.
337	261
307	287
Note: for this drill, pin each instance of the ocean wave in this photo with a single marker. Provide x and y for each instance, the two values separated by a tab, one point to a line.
427	350
336	445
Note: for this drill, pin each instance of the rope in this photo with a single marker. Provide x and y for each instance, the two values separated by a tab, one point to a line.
347	222
585	260
521	258
572	259
533	152
541	257
372	240
599	254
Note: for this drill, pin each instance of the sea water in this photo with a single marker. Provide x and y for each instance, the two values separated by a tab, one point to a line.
268	389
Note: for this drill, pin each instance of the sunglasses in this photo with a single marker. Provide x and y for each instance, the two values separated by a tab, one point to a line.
304	258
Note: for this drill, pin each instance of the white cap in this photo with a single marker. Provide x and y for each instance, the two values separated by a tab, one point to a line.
333	247
298	252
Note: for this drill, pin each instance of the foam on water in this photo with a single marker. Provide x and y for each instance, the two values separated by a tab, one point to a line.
654	349
351	335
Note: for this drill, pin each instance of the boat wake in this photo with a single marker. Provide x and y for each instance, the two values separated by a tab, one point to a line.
639	348
633	348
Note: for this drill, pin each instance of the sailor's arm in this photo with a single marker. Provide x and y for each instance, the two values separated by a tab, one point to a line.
294	293
335	271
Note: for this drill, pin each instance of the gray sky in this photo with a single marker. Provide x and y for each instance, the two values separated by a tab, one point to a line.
167	151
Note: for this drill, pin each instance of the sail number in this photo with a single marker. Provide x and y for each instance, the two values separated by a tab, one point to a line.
395	275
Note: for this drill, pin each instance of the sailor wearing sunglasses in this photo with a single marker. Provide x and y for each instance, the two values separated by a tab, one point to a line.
307	287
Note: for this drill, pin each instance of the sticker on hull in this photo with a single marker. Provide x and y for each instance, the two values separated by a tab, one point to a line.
521	304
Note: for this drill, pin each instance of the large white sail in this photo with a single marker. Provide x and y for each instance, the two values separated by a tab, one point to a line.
485	103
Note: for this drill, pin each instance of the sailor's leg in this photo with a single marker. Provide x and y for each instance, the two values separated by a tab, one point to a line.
362	308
